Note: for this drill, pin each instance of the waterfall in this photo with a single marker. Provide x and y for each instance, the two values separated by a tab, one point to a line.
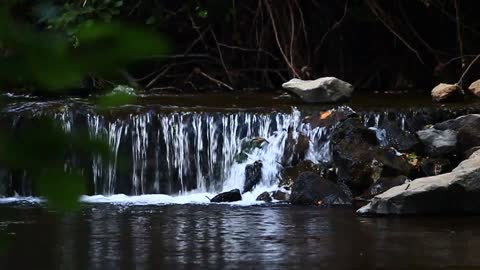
180	152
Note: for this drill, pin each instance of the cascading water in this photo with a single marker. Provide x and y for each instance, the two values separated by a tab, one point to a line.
188	152
191	153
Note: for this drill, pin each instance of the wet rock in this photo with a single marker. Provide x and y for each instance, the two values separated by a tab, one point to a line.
253	175
248	146
457	192
435	166
385	183
468	130
229	196
281	195
311	189
295	149
459	122
322	90
438	142
329	118
447	93
474	88
290	174
359	160
265	197
402	140
469	136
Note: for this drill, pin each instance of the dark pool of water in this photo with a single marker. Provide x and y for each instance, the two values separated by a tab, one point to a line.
232	237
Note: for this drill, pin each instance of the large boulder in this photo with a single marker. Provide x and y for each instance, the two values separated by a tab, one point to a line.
474	88
358	158
311	189
229	196
322	90
457	192
438	142
253	175
468	129
447	93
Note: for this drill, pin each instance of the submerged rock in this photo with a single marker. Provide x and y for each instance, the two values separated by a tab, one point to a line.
322	90
311	189
253	175
457	192
438	142
229	196
474	88
447	93
265	197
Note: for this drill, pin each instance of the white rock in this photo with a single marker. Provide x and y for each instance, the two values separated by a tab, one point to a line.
322	90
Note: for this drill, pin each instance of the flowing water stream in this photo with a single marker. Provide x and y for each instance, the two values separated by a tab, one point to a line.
147	207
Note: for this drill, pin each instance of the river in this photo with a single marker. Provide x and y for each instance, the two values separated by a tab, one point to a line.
105	236
148	207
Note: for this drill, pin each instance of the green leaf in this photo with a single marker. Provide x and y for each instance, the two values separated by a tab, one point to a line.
119	4
61	189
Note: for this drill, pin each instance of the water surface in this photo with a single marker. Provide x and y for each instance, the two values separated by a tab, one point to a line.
105	236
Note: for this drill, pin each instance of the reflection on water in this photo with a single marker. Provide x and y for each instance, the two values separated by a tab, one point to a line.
231	237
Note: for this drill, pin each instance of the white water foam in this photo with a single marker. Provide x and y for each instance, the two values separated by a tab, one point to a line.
19	199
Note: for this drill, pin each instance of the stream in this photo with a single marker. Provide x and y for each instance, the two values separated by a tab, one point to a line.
148	206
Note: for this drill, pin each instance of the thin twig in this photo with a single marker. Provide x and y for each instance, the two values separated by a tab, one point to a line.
215	80
377	10
277	39
158	77
466	70
419	37
248	50
227	73
304	28
134	8
334	26
292	36
459	33
200	37
194	25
